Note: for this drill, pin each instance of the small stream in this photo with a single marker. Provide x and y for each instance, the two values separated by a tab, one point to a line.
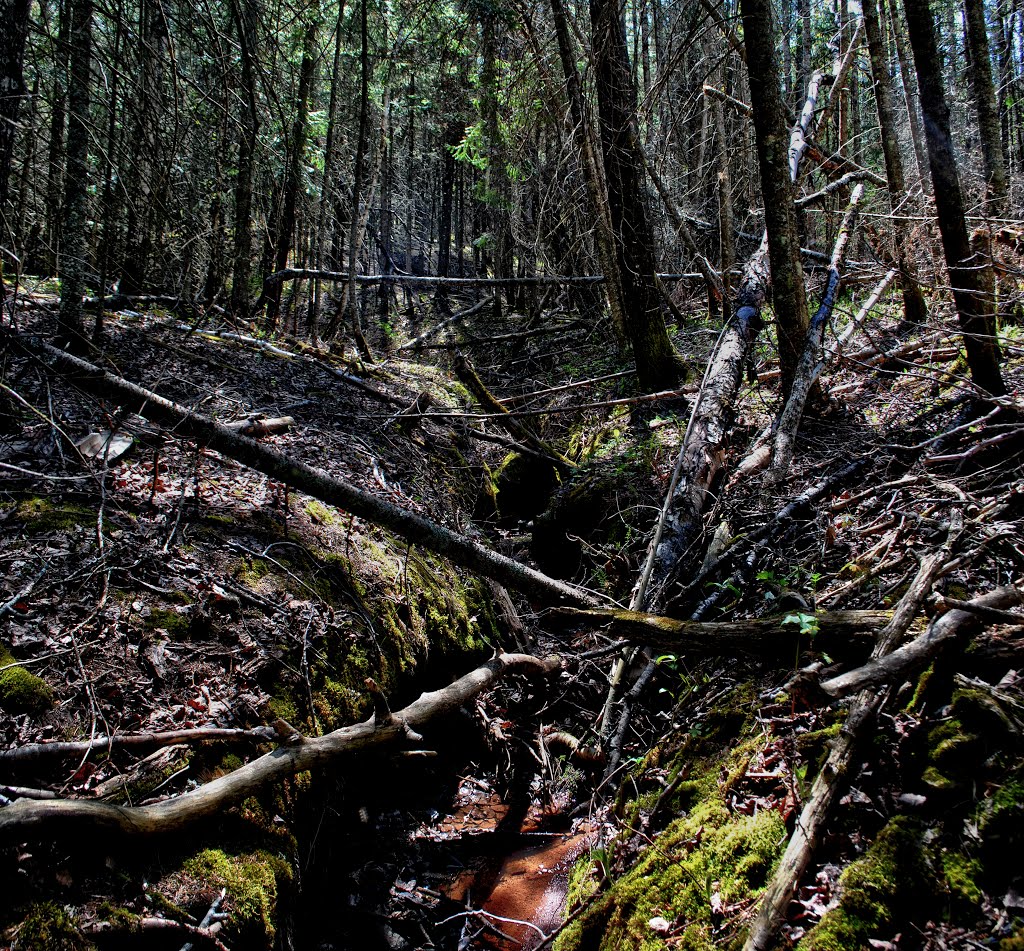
519	895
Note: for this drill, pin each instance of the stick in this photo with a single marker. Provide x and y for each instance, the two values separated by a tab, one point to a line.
66	818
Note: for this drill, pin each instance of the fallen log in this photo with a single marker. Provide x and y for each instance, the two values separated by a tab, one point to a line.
26	820
185	424
771	638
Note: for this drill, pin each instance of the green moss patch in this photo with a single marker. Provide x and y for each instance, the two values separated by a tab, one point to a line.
22	691
48	927
877	892
253	882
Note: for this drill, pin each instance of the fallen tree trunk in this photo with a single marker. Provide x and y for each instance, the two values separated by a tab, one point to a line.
51	819
763	637
418	280
210	434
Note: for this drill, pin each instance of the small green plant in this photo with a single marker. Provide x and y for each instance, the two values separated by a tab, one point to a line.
808	623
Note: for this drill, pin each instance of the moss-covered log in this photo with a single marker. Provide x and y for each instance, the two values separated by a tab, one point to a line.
773	637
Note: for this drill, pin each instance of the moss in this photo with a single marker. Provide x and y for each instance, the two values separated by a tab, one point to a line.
44	515
876	892
175	625
253	882
1000	823
48	927
709	851
252	571
961	873
323	514
22	691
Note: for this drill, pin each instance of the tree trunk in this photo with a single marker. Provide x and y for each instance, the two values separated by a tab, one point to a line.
914	309
788	294
349	305
969	280
143	197
293	176
593	172
984	93
76	218
14	16
56	155
657	364
249	128
910	95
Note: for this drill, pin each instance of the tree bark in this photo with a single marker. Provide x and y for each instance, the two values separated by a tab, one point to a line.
984	93
657	364
789	296
966	273
248	131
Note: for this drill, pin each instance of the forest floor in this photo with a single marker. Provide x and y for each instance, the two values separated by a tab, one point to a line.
173	589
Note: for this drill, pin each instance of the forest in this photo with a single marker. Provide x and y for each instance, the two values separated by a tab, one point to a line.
511	474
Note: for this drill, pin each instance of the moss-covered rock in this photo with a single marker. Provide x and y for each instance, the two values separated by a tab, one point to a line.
20	690
878	892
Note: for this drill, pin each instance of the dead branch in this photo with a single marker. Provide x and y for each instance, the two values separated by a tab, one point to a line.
33	753
919	652
812	359
467	374
205	937
27	819
447	322
804	840
186	424
256	427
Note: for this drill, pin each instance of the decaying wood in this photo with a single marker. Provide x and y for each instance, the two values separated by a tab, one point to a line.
185	424
27	820
256	427
812	360
800	850
202	936
762	637
919	652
